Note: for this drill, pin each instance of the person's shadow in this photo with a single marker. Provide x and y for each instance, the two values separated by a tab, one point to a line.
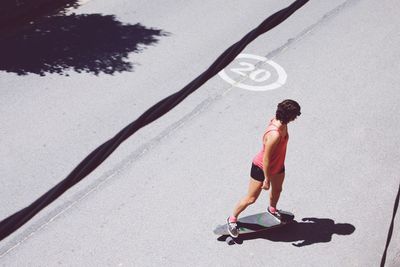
309	231
91	43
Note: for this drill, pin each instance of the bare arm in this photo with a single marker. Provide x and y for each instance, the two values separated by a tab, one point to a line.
271	141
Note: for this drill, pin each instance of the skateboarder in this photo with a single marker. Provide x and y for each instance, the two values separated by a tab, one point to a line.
268	168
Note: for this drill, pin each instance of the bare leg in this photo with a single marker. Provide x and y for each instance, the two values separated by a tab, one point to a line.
276	189
250	198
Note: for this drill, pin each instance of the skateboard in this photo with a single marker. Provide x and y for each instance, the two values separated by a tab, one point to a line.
255	223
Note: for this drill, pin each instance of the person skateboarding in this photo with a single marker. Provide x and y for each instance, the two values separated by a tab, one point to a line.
268	166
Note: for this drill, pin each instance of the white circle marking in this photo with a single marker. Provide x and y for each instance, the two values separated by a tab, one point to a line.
256	74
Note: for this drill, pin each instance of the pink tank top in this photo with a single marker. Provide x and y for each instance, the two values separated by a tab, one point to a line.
277	160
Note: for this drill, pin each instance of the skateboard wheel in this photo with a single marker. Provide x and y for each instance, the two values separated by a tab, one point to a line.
229	240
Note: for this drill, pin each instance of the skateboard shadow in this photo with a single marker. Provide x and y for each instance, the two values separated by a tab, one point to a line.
307	232
90	43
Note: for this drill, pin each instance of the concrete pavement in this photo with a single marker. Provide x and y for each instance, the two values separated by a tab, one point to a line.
159	196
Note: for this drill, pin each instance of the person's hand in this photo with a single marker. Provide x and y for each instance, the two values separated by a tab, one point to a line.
266	184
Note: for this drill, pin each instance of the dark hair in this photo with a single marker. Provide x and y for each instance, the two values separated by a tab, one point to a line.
287	111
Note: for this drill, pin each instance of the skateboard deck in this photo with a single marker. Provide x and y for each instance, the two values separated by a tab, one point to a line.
256	222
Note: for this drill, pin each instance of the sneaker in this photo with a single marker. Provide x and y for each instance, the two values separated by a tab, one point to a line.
232	228
276	214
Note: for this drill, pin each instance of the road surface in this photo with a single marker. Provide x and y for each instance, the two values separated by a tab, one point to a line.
157	198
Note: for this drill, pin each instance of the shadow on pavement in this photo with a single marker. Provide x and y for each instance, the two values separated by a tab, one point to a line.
16	13
309	231
91	43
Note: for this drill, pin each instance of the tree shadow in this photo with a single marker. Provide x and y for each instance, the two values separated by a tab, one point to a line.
309	231
16	13
91	43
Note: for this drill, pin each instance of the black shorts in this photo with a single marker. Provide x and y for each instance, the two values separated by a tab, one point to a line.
258	174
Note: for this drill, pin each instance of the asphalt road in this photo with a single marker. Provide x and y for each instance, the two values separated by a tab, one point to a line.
157	198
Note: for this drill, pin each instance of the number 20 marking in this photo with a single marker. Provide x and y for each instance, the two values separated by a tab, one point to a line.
255	74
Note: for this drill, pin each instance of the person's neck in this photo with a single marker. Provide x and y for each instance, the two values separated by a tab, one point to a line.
279	124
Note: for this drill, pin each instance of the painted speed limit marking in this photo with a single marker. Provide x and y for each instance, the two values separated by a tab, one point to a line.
255	73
